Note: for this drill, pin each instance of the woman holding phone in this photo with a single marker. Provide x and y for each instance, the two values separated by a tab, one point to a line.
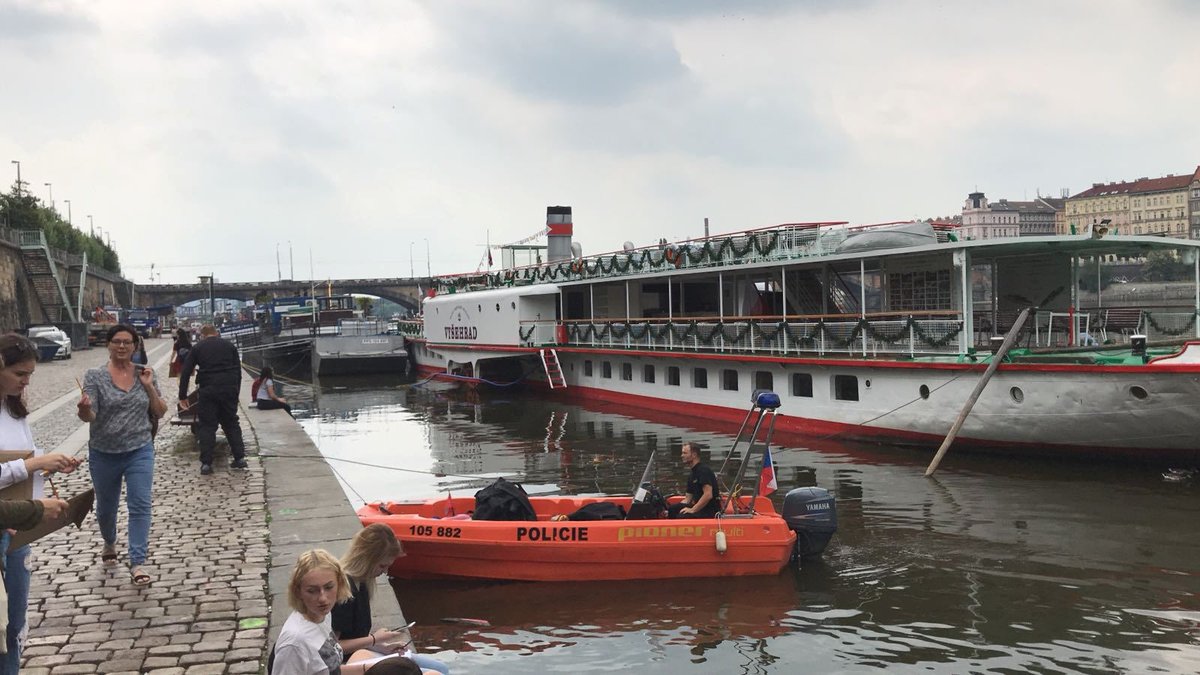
372	551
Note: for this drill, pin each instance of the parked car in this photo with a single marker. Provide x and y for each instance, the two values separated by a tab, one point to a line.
55	335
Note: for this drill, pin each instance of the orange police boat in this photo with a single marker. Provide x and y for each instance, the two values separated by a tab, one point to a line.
749	538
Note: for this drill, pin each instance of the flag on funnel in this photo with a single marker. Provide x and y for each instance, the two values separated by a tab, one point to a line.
766	479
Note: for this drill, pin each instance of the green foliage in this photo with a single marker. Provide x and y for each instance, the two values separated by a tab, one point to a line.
364	304
1164	266
23	211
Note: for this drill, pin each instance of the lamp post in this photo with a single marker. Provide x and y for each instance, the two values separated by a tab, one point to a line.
291	262
91	226
278	269
18	163
427	268
50	187
68	203
410	261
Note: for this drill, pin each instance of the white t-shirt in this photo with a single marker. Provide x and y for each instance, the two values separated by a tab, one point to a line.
307	648
15	434
265	388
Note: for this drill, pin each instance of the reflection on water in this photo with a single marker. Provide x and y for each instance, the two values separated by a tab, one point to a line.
994	565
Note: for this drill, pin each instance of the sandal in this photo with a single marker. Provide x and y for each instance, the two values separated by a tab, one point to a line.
108	556
139	576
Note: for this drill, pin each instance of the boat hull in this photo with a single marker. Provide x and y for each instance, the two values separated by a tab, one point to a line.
447	548
1145	412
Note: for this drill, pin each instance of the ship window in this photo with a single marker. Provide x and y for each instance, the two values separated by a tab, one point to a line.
514	305
764	380
673	376
845	387
587	368
802	385
627	372
648	374
729	379
606	370
480	308
700	378
924	391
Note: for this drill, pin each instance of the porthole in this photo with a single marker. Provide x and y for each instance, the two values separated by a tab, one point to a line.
480	308
1016	394
1139	393
497	307
924	391
514	305
867	383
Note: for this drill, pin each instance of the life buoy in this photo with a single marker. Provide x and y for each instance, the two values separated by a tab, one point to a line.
670	256
577	266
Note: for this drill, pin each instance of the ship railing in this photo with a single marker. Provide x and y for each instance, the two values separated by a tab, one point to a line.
835	334
1165	325
539	333
413	328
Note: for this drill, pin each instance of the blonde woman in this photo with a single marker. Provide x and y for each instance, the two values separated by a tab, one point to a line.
306	644
372	551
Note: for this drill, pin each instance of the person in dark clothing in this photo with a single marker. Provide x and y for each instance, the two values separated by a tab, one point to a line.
703	498
219	382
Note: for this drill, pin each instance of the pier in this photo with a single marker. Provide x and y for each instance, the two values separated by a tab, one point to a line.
221	546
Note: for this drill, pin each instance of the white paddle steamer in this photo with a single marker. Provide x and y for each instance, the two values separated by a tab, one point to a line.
875	332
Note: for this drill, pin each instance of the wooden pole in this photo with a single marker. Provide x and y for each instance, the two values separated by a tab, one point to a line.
987	375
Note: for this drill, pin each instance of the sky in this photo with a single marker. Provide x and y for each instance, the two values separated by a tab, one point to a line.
254	140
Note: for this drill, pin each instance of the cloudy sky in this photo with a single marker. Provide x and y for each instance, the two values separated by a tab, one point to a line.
205	137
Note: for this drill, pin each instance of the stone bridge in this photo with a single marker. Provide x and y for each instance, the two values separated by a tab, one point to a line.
402	291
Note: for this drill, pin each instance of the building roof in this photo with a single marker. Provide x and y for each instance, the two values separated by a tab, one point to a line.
1163	184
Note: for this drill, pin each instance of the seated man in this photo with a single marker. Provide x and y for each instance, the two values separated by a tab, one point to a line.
703	498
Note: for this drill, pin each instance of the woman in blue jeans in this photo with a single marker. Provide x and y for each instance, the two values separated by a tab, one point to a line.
18	359
118	400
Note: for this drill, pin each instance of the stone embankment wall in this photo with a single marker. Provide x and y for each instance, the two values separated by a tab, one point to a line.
19	305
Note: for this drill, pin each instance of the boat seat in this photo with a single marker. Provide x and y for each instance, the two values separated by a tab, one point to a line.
1121	321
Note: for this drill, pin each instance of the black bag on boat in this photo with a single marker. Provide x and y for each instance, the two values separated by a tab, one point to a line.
598	511
503	500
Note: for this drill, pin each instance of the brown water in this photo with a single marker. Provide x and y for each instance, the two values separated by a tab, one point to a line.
995	565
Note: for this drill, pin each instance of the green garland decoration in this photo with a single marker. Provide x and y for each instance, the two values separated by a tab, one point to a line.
1173	333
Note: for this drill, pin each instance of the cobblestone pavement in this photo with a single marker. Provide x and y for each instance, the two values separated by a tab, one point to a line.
206	610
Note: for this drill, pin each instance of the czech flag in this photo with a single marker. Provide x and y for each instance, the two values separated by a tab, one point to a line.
766	479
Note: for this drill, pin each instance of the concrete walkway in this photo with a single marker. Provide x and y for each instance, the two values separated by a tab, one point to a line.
215	560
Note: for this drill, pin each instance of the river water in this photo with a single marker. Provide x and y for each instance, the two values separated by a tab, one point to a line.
994	565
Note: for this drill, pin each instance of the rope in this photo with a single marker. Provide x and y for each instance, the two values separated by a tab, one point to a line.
356	462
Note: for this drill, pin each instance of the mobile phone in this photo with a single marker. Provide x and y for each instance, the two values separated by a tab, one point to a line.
410	625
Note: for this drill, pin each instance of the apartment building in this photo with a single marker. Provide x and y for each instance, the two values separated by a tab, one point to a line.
982	219
1167	206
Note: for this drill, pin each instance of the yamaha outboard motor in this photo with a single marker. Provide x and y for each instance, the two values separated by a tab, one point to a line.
812	513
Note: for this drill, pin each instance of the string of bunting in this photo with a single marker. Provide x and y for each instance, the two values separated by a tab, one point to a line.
1172	332
709	333
713	250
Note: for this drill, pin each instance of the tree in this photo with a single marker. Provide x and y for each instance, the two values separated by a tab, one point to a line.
23	211
1163	266
364	305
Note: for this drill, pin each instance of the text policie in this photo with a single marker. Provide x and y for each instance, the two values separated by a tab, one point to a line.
545	533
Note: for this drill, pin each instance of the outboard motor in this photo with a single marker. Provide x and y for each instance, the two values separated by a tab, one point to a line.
812	513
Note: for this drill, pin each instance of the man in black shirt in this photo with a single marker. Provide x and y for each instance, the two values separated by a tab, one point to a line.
703	498
219	382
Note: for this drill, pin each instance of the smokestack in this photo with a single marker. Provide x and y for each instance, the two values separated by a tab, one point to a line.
558	221
706	228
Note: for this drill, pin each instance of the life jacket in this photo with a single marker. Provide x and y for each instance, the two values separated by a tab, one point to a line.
503	500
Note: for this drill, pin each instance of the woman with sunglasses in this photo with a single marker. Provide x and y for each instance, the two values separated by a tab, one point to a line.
118	400
18	359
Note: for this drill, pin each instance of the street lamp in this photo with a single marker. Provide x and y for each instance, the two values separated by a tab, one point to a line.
91	227
278	269
410	262
427	272
50	187
68	203
18	163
